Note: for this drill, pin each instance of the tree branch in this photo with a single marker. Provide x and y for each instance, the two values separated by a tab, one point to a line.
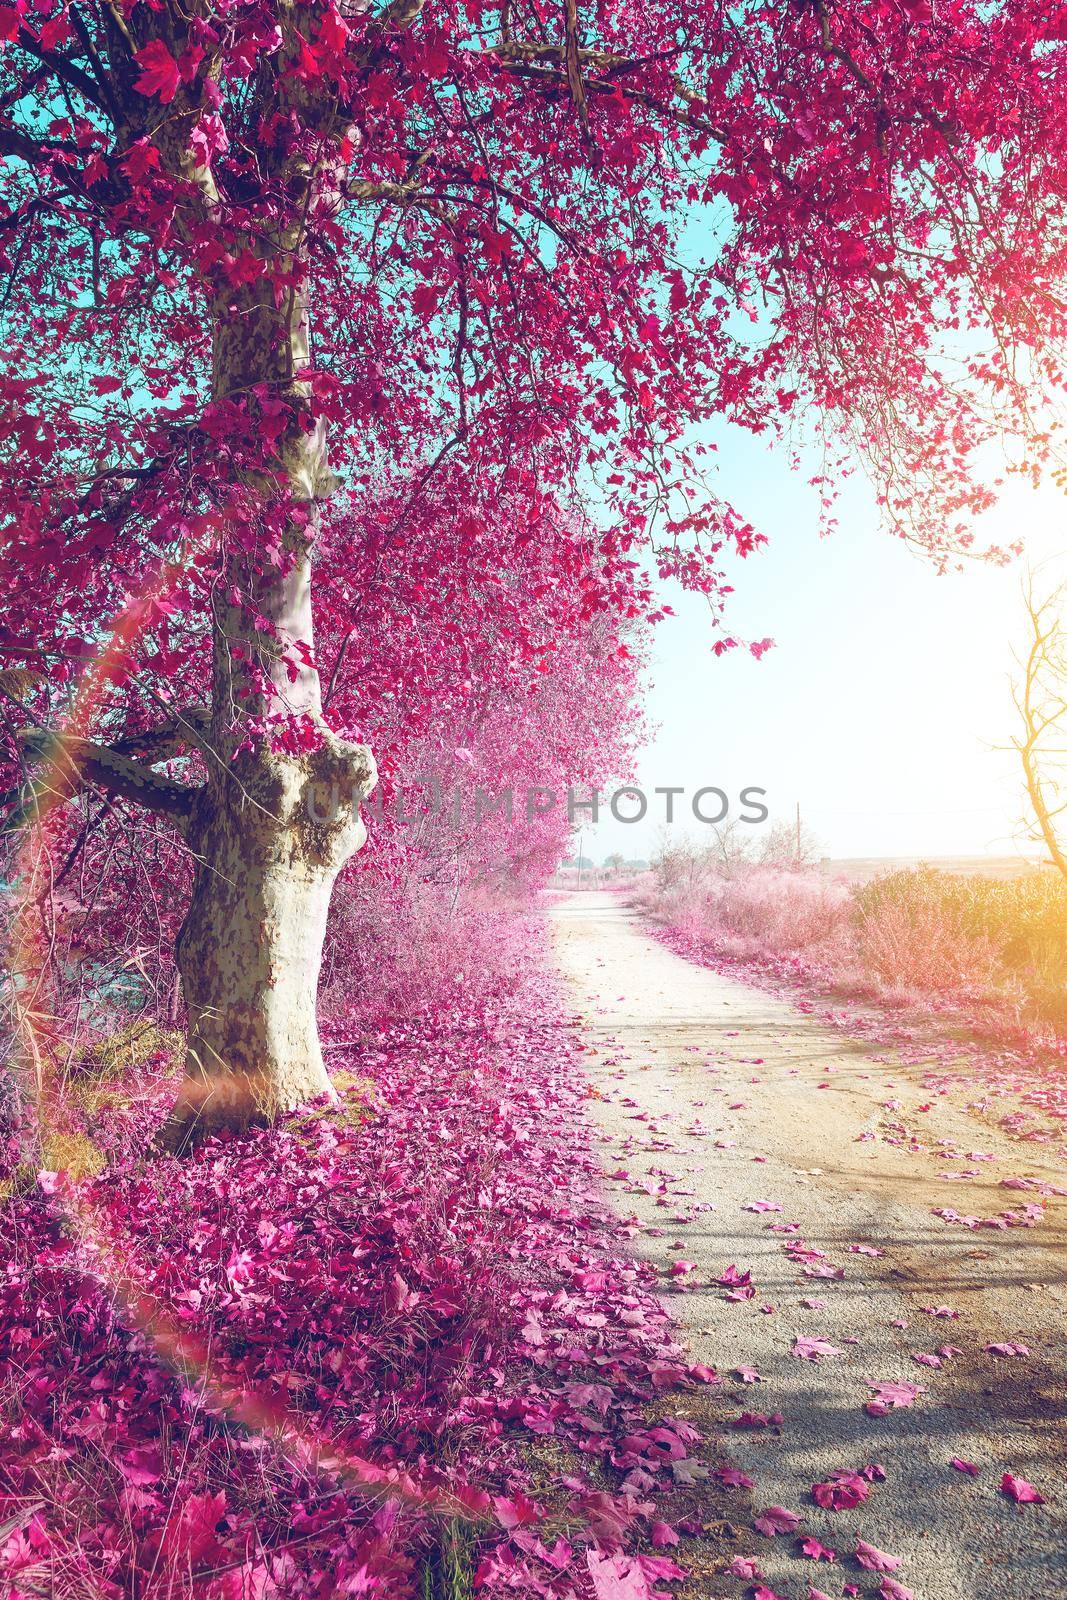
73	762
65	71
184	729
1043	659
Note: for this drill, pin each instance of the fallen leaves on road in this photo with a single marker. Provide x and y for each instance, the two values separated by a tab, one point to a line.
776	1519
1023	1493
874	1560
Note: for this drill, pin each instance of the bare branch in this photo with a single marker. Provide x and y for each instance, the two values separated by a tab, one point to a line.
73	762
1040	703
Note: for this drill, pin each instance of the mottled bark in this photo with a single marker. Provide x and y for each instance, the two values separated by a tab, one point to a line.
270	831
268	851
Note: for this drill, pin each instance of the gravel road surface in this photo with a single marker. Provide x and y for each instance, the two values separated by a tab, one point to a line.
736	1130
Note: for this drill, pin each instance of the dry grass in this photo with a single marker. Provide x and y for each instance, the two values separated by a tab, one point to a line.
992	947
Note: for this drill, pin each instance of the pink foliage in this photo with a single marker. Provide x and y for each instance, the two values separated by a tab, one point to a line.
389	1303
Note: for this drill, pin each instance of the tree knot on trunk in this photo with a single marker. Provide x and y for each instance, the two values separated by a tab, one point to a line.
270	833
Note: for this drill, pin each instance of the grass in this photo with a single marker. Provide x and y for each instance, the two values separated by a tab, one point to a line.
987	937
992	948
449	1574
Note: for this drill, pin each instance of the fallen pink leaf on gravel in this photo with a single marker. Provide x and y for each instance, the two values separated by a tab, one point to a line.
1023	1493
734	1478
776	1519
1006	1349
704	1374
812	1349
890	1589
841	1491
811	1547
875	1560
744	1567
748	1375
734	1277
890	1396
964	1466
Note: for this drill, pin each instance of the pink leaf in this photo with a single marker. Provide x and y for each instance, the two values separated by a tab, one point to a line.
159	71
617	1577
1020	1491
734	1277
811	1547
776	1519
875	1560
188	1538
841	1492
889	1396
813	1349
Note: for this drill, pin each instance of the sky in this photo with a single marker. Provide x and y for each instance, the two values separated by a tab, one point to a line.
884	709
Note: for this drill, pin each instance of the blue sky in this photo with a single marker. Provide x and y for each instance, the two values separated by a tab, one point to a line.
884	707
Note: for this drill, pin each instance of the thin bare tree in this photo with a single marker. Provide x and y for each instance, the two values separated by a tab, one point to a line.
1040	697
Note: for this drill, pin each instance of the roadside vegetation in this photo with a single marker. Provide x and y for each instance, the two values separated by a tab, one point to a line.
994	950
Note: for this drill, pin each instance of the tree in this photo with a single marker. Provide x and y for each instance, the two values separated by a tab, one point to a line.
1041	700
275	270
789	846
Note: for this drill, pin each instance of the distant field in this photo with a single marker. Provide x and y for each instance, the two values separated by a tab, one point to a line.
861	869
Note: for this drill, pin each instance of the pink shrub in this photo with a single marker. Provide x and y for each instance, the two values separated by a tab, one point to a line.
419	949
759	910
916	945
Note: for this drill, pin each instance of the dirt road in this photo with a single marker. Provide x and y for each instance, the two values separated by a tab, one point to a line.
742	1133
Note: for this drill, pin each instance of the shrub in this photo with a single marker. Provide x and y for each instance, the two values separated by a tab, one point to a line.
977	937
753	910
987	945
415	947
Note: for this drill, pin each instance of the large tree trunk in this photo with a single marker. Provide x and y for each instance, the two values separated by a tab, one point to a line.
250	947
270	830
